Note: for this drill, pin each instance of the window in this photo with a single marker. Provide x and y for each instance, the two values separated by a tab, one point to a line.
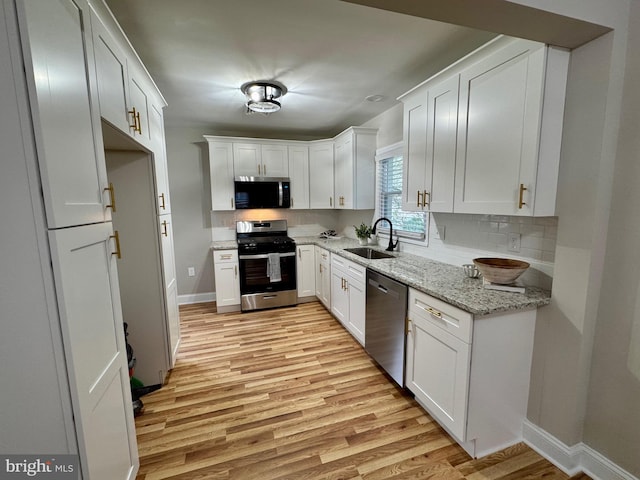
389	183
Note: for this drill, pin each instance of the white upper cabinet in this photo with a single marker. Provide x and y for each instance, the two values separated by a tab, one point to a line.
123	86
503	164
321	173
299	175
309	165
61	82
499	124
275	161
139	104
221	174
156	129
430	127
415	150
247	159
483	136
441	140
260	160
354	177
111	70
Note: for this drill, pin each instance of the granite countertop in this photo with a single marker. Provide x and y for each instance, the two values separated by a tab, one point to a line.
441	280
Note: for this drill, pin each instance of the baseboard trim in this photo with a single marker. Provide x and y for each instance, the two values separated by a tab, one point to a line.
575	459
196	298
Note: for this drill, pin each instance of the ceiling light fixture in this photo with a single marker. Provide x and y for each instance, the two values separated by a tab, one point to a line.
262	96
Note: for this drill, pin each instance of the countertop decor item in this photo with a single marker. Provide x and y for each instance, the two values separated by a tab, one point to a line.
470	270
503	271
363	232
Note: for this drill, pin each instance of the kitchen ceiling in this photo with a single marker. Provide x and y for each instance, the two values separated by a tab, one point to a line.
329	54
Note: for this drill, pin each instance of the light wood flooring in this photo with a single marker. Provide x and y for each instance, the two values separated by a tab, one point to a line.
288	394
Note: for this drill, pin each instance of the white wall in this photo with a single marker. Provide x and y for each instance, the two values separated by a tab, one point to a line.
612	421
190	189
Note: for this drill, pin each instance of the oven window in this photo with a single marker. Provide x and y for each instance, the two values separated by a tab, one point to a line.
254	278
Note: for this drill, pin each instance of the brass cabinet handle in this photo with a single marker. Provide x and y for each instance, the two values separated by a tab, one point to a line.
162	205
521	203
235	270
258	169
116	237
134	118
433	312
425	194
231	202
264	170
300	253
225	256
418	202
112	197
164	228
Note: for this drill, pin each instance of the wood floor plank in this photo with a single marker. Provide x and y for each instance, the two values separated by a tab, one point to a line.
289	394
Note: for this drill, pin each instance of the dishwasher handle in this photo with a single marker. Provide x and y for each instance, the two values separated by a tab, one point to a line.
383	289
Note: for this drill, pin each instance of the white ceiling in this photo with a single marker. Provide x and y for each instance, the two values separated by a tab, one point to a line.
328	53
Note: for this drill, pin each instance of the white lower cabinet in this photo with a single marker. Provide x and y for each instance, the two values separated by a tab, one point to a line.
348	300
323	276
171	287
226	268
305	270
88	296
470	373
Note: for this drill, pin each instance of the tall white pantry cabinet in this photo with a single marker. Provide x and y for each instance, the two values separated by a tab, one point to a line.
64	377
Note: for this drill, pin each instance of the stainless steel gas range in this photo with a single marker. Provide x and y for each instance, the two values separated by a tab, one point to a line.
267	258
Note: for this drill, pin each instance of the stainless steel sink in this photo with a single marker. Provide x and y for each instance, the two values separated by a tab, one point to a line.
370	253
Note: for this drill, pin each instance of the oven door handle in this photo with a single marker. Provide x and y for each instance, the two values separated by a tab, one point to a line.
266	255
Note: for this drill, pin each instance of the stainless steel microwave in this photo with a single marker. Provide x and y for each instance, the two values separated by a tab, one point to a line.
262	192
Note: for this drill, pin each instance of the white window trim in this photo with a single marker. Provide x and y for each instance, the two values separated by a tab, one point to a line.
393	150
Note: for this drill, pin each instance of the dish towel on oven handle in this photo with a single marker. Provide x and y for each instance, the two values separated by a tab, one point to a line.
273	268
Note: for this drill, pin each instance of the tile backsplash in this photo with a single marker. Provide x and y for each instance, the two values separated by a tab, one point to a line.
492	233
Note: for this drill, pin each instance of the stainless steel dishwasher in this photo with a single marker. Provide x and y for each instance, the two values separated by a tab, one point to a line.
386	313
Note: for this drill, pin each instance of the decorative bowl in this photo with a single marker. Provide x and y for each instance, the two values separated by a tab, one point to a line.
500	270
470	270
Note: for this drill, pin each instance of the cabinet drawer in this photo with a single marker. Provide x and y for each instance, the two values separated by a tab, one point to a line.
322	255
451	319
354	270
225	256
